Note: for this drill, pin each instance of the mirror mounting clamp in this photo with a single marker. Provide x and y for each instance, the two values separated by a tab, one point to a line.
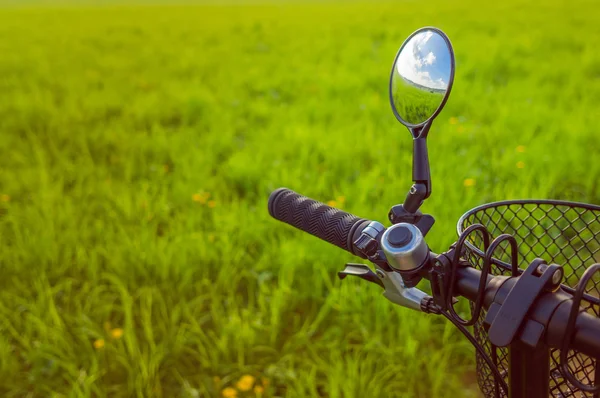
422	221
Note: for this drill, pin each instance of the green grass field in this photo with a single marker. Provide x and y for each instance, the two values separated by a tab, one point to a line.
138	147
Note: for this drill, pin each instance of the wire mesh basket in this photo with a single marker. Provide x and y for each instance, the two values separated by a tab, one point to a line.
563	233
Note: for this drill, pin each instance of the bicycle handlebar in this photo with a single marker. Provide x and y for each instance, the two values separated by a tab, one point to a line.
342	229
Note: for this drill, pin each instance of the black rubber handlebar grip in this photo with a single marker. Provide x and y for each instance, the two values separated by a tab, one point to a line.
325	222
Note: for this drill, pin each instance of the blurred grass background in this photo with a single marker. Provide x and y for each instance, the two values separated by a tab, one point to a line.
139	144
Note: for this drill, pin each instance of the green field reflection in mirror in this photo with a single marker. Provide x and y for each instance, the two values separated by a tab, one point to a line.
420	76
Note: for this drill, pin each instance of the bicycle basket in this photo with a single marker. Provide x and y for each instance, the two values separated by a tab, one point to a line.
564	233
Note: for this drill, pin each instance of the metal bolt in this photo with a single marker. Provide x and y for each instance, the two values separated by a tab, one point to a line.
380	274
557	277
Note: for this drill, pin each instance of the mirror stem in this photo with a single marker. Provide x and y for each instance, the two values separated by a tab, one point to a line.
421	188
421	163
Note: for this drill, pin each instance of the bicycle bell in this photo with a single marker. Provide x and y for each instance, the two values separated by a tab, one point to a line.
404	247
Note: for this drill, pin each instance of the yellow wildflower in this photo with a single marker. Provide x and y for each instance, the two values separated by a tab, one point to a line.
99	344
469	182
201	198
521	148
245	383
116	333
258	390
212	204
520	164
229	392
453	120
332	203
4	198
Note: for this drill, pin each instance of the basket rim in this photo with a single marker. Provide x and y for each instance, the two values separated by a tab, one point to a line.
490	205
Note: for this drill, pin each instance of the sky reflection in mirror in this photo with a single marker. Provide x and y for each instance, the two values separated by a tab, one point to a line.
421	76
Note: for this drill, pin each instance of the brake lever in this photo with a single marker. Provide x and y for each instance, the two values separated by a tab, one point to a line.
397	292
362	271
392	282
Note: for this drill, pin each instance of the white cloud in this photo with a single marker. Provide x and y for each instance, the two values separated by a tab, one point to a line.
411	62
430	58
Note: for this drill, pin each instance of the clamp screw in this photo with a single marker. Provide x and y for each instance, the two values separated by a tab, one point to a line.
556	278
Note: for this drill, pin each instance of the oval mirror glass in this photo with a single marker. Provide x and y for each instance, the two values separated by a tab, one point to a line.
422	77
